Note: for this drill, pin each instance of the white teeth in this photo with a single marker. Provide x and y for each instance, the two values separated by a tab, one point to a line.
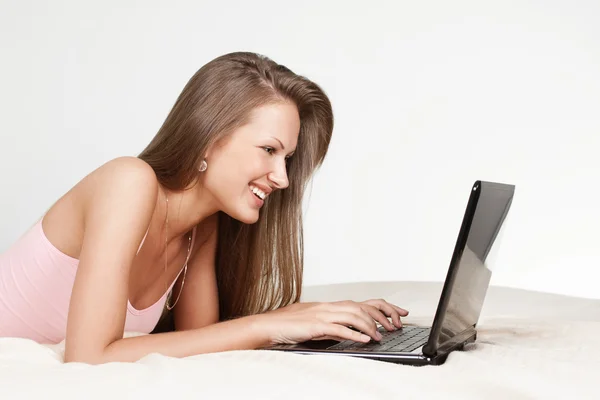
258	192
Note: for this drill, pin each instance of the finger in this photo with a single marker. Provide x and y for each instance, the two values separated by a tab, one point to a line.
366	316
378	316
350	319
380	302
401	311
343	333
356	309
391	310
326	337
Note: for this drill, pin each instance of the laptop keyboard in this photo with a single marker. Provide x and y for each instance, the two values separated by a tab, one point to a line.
405	339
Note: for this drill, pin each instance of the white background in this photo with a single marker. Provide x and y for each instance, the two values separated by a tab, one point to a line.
428	97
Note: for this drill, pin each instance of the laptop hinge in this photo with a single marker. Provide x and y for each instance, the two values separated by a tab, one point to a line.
452	343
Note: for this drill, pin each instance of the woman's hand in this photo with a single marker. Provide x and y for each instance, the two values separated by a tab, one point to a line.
300	322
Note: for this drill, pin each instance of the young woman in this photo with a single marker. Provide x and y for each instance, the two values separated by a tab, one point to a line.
204	226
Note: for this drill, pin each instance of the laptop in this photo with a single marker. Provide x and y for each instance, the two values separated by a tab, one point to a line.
461	300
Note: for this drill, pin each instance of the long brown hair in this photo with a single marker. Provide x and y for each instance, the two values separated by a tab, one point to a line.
259	266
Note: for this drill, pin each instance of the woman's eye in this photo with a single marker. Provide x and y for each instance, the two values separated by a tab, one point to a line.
269	150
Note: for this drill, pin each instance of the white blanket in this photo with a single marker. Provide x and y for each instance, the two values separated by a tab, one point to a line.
530	345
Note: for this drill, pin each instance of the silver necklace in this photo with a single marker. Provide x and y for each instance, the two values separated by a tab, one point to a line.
187	258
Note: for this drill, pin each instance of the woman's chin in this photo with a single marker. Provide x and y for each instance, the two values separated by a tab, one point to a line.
250	221
248	216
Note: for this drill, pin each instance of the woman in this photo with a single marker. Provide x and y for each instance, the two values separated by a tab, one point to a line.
209	212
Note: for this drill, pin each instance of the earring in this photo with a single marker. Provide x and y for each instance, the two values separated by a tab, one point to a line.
203	166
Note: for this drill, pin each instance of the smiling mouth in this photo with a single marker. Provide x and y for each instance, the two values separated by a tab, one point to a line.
258	193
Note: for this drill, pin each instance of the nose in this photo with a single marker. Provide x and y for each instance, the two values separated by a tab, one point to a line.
279	177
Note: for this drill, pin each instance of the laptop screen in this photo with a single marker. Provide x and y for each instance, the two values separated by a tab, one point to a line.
469	276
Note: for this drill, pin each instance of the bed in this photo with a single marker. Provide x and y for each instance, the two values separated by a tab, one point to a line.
530	345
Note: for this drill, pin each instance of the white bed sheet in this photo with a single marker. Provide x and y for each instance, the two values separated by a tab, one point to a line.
530	346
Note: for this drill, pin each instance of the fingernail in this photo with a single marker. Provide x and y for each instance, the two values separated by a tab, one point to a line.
378	335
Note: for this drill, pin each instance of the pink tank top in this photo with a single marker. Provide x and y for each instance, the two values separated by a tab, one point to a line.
36	281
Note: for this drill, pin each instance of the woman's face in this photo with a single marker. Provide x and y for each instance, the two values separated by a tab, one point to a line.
251	162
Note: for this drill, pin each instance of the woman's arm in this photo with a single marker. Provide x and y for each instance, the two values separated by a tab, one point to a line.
245	333
116	216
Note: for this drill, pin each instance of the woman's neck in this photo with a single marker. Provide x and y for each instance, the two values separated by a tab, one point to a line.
186	209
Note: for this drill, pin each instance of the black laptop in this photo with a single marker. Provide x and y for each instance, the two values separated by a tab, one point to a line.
461	300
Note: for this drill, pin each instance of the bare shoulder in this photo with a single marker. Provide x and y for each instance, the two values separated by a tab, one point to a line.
128	170
129	181
124	173
127	163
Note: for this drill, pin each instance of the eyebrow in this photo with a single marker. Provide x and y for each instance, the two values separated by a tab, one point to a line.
282	146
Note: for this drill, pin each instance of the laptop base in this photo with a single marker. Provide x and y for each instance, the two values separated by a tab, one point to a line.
415	357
